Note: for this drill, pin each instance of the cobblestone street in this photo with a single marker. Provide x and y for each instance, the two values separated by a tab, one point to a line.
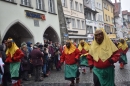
122	77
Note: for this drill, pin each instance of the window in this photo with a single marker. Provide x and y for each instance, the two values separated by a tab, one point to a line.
40	4
112	19
98	17
95	29
113	30
89	29
83	25
51	6
64	3
107	7
67	22
76	6
106	17
88	16
36	23
26	2
73	23
111	9
107	29
10	0
99	6
81	8
94	16
71	4
78	24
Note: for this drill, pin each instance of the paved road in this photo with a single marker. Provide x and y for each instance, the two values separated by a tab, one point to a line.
122	77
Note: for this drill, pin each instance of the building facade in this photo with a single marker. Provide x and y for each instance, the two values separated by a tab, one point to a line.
108	11
90	16
29	20
126	24
118	19
99	15
75	19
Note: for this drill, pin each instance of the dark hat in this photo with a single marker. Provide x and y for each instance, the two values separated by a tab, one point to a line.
40	46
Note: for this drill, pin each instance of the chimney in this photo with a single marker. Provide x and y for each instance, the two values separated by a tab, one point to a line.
115	1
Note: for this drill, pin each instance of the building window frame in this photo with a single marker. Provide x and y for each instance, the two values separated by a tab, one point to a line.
89	29
76	6
40	4
51	6
64	3
95	28
81	7
73	23
10	0
106	18
26	3
72	4
83	25
78	24
89	16
109	19
94	16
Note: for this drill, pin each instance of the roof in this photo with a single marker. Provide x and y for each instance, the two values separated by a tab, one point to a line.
117	8
125	12
128	13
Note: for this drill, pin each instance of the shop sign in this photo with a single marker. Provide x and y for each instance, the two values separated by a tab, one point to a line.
112	35
35	15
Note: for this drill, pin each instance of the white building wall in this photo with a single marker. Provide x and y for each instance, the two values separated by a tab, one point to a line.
99	15
9	13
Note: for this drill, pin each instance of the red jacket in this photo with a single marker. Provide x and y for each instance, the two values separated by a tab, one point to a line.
123	51
70	58
83	51
16	57
107	63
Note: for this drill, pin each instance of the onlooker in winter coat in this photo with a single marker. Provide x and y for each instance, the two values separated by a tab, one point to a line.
37	61
24	62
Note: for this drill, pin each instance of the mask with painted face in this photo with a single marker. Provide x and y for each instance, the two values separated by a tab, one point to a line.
99	36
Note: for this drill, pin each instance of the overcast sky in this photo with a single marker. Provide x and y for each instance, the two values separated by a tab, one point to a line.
125	4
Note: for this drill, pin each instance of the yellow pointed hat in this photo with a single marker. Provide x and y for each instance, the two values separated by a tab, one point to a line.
86	46
104	50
